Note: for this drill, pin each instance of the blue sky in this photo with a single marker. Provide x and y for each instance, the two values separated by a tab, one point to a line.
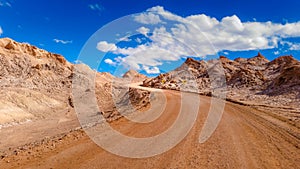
65	26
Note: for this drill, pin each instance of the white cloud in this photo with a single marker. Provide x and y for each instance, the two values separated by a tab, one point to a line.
62	41
5	4
147	55
119	59
138	40
174	37
295	46
290	45
143	30
165	14
96	7
106	47
276	52
1	30
147	18
110	62
151	70
232	24
229	33
124	39
78	62
115	61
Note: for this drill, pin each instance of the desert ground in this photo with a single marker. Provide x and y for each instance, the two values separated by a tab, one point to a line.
247	137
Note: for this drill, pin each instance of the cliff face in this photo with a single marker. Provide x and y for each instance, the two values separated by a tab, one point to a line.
255	79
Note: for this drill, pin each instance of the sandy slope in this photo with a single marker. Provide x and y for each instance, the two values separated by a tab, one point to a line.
245	138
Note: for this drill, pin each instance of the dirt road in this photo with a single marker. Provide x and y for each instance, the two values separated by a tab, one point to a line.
245	138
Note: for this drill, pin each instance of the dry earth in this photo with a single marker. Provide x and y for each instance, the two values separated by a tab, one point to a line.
245	138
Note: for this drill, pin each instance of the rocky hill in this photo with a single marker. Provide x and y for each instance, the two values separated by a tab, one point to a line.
32	81
23	65
36	84
134	76
255	80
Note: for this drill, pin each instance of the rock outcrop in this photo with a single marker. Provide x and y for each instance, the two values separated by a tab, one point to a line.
255	79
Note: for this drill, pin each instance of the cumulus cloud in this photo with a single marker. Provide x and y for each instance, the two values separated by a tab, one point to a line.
228	34
62	41
147	18
105	47
143	30
110	62
151	70
173	37
148	55
1	30
116	61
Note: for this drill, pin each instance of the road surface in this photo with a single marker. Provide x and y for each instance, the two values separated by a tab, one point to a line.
245	138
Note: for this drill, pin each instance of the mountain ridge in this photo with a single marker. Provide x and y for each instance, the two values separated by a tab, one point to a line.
257	79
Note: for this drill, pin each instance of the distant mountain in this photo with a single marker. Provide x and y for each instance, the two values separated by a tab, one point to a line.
134	76
255	79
